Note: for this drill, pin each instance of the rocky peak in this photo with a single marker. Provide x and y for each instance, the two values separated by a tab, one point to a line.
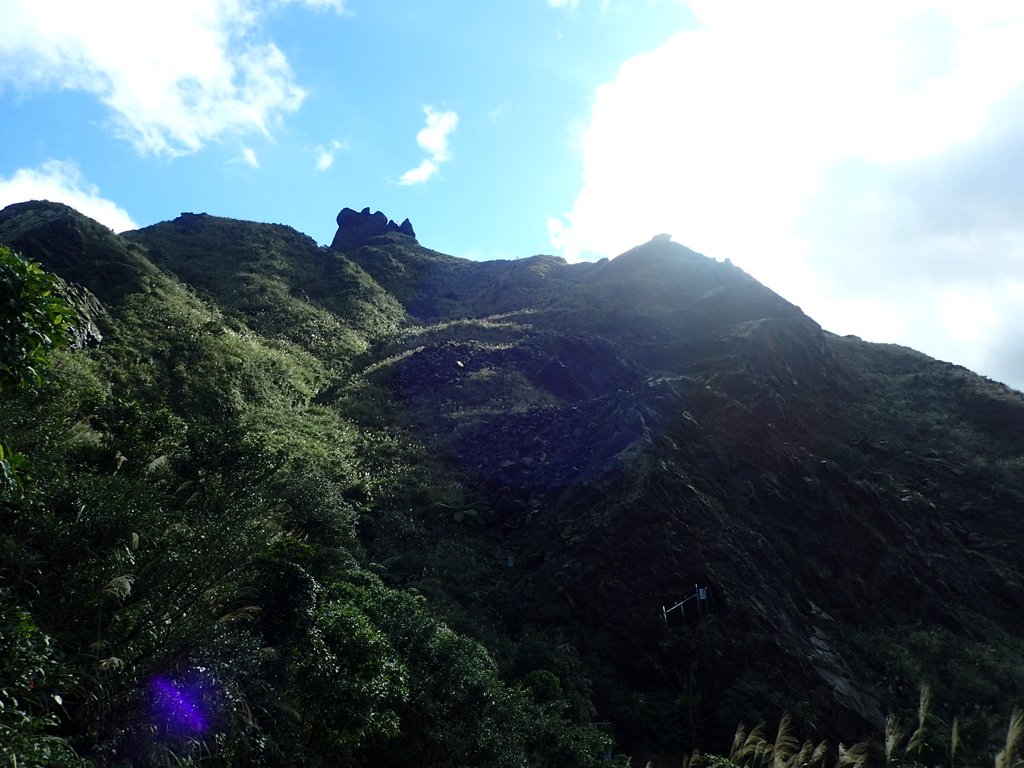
355	228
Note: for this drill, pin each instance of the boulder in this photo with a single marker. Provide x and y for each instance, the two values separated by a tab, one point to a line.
356	228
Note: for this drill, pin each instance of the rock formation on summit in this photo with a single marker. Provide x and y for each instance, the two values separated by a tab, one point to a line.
355	228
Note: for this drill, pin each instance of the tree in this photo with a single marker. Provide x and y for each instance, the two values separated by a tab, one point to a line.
34	320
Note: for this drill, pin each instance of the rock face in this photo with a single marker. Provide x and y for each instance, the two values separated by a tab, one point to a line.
89	315
355	228
189	223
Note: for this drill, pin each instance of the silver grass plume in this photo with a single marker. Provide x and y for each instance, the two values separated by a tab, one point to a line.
785	743
755	747
738	740
1014	733
119	587
954	740
803	757
917	739
819	754
855	756
893	737
110	664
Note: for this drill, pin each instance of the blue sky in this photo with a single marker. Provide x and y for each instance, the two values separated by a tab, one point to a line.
515	78
863	160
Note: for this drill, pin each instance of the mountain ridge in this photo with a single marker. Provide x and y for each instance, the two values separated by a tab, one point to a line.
595	439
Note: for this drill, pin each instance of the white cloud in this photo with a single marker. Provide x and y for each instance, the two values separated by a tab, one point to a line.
814	145
249	157
433	139
572	5
325	154
338	6
421	173
174	75
61	181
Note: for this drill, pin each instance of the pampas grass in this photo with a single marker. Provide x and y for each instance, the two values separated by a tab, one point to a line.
855	756
750	749
738	740
917	742
119	587
954	740
785	745
893	736
753	750
1005	757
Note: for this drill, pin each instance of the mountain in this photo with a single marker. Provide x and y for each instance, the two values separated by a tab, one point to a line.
544	457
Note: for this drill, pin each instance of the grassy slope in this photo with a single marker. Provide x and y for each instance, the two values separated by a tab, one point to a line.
187	531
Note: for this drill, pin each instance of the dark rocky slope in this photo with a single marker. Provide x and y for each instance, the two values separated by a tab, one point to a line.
678	423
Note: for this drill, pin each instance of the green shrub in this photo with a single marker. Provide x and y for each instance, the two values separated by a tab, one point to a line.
33	320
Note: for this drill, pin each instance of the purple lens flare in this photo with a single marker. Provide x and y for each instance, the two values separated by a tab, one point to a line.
179	706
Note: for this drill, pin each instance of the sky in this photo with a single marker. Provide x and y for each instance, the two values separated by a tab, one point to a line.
863	160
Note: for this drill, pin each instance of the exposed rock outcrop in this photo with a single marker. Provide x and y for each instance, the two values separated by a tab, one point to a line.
90	314
355	228
189	223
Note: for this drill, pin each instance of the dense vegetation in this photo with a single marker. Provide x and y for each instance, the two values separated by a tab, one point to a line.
282	505
182	578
